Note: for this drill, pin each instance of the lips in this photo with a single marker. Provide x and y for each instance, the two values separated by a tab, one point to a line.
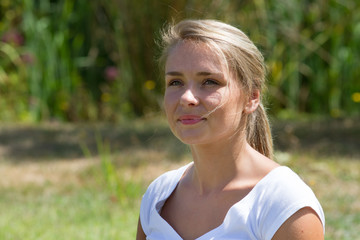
190	119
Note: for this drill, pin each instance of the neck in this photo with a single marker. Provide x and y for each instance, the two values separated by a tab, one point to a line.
216	166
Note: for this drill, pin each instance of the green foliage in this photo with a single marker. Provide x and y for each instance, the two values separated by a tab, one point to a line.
12	68
96	60
312	55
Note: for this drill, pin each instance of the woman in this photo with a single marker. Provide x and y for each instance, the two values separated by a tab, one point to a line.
232	190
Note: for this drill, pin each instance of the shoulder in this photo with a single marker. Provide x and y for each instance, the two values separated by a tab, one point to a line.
302	225
282	185
282	194
157	192
165	182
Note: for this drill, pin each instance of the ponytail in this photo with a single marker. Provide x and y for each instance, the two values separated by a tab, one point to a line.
258	133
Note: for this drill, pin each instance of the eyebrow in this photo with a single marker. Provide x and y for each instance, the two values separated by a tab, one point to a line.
174	74
198	74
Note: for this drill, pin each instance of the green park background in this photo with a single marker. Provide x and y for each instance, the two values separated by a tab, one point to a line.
82	132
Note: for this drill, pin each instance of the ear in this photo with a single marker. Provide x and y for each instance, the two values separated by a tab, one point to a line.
253	102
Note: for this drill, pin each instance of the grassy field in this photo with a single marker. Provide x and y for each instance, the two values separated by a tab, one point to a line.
63	181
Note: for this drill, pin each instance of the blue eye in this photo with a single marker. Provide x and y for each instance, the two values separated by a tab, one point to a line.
210	81
175	82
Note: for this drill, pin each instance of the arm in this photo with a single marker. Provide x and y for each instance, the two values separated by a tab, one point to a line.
303	225
140	235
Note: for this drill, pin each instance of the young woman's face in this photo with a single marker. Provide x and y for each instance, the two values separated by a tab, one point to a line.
203	103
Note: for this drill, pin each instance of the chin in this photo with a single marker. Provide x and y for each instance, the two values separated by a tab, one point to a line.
192	139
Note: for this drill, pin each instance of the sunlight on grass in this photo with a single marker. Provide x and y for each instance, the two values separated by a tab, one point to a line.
98	197
335	181
69	211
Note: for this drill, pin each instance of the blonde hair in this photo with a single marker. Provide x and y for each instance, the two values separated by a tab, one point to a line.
240	56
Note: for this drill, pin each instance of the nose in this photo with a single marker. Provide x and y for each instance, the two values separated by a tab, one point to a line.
189	98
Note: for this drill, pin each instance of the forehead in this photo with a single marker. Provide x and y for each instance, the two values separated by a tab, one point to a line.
193	57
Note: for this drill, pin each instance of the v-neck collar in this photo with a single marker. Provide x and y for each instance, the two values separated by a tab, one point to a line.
215	231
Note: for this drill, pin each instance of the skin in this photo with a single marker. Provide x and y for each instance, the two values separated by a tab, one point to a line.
140	235
206	109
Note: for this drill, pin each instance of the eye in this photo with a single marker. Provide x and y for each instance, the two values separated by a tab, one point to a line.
175	82
210	81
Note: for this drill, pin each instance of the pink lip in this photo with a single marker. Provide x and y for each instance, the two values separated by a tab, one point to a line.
190	119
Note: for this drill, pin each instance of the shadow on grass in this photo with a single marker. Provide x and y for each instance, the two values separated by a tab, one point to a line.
329	137
57	141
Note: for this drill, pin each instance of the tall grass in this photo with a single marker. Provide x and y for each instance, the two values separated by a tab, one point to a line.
96	60
12	84
121	190
54	78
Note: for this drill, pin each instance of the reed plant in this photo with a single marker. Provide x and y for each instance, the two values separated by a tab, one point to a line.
97	60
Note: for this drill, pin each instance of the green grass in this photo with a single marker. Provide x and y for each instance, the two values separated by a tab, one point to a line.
336	182
81	212
70	212
71	197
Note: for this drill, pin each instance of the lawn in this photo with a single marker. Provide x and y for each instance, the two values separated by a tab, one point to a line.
65	181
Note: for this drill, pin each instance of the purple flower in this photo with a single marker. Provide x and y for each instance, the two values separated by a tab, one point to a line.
13	36
28	58
111	73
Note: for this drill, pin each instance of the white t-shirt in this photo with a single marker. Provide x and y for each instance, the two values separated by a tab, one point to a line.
258	215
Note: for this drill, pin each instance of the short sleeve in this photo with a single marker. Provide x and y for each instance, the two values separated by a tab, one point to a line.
284	197
145	211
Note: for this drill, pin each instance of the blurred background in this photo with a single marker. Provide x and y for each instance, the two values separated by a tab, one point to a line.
96	60
80	107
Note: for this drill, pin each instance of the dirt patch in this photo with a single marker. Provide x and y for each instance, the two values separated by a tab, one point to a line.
47	173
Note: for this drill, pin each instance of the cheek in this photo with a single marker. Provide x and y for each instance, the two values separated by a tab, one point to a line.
169	102
227	103
214	100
